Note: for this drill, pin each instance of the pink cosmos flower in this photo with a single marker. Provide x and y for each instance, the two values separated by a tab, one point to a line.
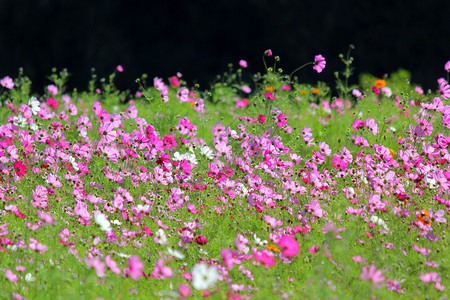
314	249
47	218
358	259
447	66
268	52
445	90
423	251
269	95
131	112
11	276
7	82
372	274
246	89
243	63
120	68
135	267
430	277
261	119
201	240
97	264
266	257
376	90
53	103
289	246
20	168
112	265
242	103
184	291
319	63
52	89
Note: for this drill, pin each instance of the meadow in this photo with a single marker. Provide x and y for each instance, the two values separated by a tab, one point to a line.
259	187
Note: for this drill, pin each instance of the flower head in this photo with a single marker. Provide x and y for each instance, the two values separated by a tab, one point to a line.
20	168
372	274
204	276
289	246
319	63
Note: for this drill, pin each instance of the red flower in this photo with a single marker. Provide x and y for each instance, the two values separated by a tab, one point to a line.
201	240
20	168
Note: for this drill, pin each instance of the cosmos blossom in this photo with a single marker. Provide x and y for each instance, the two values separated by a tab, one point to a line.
372	274
319	63
289	246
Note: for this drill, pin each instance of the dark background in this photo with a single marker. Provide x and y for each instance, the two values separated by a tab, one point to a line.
199	38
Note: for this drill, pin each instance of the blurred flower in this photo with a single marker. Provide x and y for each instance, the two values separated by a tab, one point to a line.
7	82
243	63
52	89
289	246
372	274
447	66
379	83
204	276
120	68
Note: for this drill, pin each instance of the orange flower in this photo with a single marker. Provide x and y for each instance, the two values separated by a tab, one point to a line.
273	248
425	217
270	89
316	91
303	92
392	153
379	83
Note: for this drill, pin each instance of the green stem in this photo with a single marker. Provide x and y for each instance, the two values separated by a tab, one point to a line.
301	67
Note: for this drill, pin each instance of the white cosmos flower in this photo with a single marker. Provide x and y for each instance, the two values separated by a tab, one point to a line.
73	163
204	276
35	105
101	220
175	253
34	127
29	277
160	237
431	182
378	221
259	241
206	151
20	121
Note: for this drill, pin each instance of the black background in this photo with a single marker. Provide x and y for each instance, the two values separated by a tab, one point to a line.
199	38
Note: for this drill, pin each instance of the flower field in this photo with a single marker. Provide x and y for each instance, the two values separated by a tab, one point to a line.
260	187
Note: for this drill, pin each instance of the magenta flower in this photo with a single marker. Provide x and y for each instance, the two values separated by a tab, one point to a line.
135	267
289	246
445	90
268	52
447	66
243	63
201	240
120	68
184	291
376	90
53	103
266	257
20	168
319	63
372	274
